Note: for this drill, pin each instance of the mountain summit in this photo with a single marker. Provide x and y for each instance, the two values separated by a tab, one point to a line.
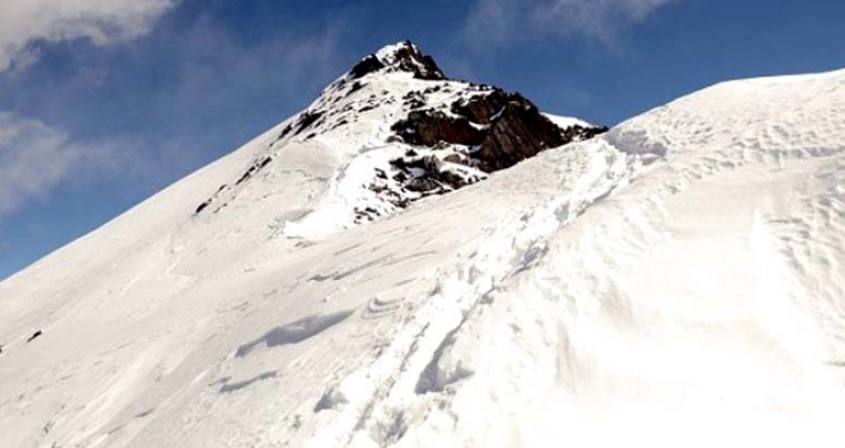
402	56
414	261
401	131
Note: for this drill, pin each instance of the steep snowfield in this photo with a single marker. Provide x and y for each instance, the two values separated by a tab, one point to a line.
677	281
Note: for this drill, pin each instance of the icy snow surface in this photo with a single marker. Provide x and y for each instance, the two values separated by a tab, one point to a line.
676	282
565	122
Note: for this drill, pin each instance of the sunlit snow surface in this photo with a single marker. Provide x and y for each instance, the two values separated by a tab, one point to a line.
679	281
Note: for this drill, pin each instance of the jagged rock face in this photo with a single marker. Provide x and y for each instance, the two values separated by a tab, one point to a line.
518	132
504	128
422	65
367	65
482	109
428	128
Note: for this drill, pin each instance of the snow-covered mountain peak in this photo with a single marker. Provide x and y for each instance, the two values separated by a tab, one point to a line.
403	56
394	130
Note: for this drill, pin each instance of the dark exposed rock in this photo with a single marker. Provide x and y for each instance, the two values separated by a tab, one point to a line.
340	123
202	206
284	132
208	201
423	184
482	108
254	169
427	128
245	176
434	176
410	59
520	131
504	128
306	120
34	335
457	158
356	86
414	100
400	177
367	65
578	132
407	57
487	130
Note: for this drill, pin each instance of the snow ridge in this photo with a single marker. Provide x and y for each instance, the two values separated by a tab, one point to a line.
675	281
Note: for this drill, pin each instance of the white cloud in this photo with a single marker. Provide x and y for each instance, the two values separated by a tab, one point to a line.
35	159
25	22
498	20
214	71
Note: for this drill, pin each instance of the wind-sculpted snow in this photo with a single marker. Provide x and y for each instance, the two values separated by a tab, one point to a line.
702	305
294	332
678	281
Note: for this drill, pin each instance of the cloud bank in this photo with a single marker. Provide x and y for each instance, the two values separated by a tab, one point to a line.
24	23
494	21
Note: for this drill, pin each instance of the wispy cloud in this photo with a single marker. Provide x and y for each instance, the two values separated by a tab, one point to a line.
496	21
216	78
25	23
215	92
35	158
211	57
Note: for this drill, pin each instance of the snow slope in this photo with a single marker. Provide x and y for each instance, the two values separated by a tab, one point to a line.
677	281
565	122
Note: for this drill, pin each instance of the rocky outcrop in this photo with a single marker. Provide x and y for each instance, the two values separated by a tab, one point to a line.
410	59
404	56
369	64
482	109
577	132
434	175
503	129
430	127
516	132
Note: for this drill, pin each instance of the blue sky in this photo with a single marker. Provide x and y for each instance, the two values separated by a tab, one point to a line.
103	103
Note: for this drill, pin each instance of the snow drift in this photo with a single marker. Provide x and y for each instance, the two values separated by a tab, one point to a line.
676	281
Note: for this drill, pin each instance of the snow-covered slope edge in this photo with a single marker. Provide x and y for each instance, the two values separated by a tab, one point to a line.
123	307
677	281
701	305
